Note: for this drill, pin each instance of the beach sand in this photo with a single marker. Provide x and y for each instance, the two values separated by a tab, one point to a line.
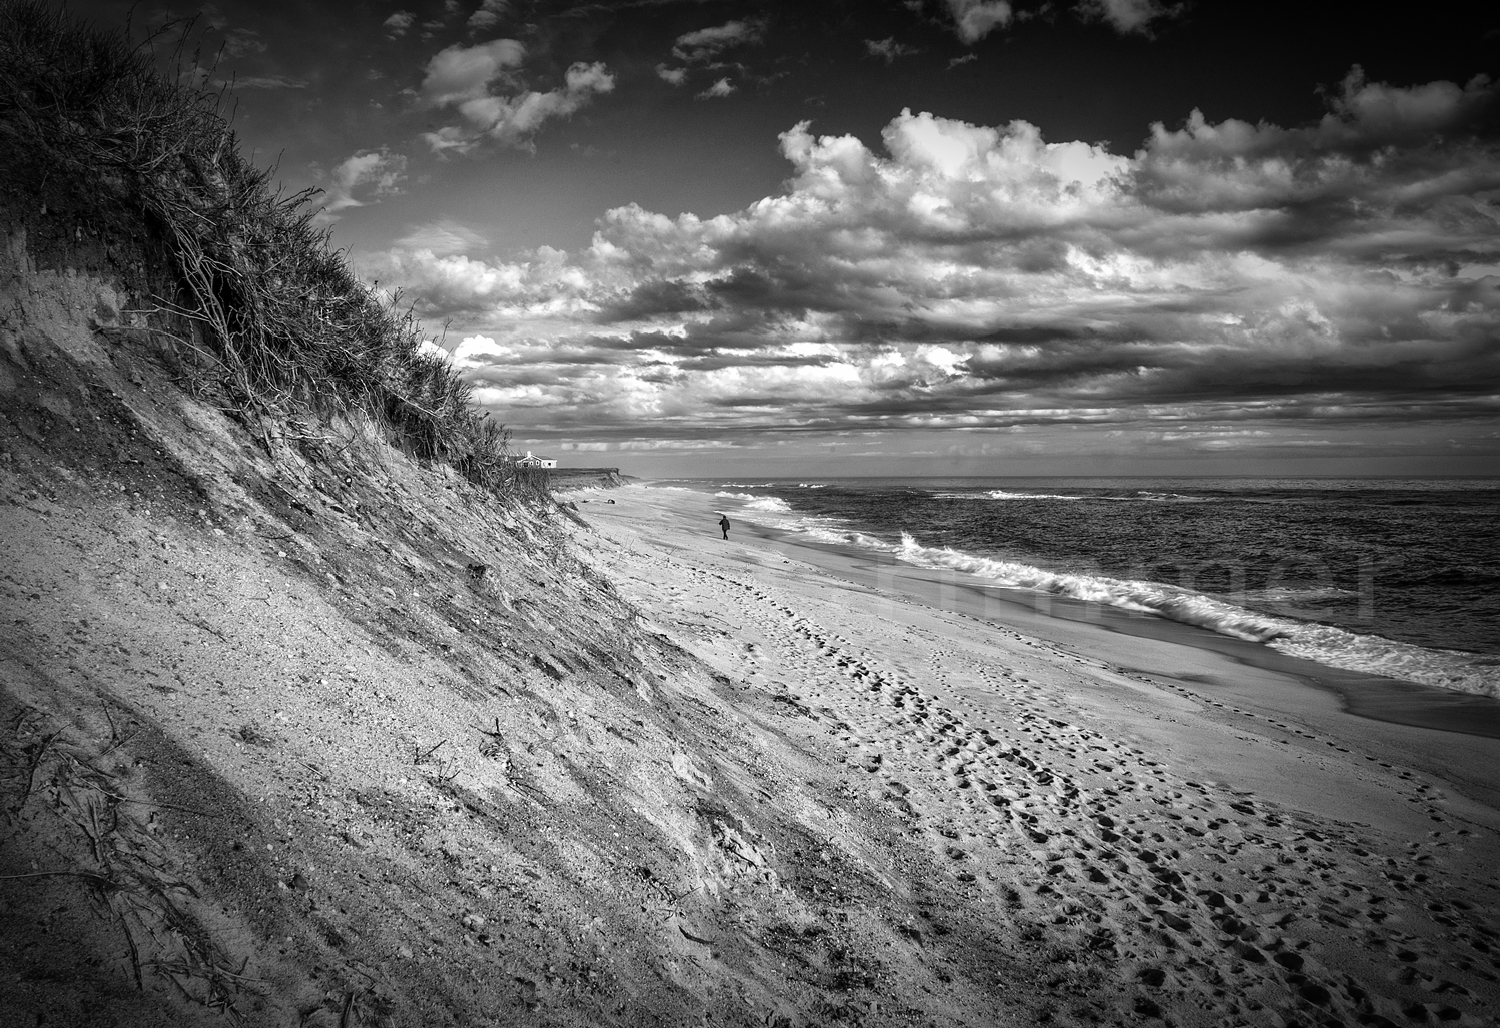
1238	840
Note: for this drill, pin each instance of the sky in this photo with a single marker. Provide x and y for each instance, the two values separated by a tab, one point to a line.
906	237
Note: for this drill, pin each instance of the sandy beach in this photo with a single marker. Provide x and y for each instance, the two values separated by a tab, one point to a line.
1250	846
328	700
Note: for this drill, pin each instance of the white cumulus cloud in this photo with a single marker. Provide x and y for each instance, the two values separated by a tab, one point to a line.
975	19
466	79
888	49
723	87
488	14
706	44
1129	16
398	23
361	179
971	276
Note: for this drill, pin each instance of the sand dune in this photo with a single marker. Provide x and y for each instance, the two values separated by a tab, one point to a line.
1222	847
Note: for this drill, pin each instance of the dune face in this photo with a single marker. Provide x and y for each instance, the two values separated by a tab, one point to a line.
307	732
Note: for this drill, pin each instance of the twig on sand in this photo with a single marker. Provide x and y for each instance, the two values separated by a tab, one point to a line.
217	969
101	879
135	955
204	625
344	1018
36	762
116	740
695	938
114	733
447	770
164	806
116	744
423	757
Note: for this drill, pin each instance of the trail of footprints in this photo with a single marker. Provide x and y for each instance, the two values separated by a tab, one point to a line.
1199	900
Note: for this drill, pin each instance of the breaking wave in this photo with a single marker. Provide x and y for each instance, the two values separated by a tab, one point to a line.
1142	496
1446	669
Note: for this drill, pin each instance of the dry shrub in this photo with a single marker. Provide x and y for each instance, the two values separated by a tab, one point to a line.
287	323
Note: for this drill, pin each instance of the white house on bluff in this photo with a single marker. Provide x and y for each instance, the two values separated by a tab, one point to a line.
531	460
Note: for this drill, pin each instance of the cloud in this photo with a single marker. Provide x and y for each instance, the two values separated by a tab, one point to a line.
398	23
673	76
443	238
888	49
721	88
706	44
1378	149
464	78
267	82
1129	16
238	42
371	173
488	14
975	19
966	277
459	74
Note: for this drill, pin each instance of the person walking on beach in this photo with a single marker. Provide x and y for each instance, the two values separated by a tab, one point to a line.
724	524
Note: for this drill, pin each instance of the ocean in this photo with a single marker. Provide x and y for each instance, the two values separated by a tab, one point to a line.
1399	578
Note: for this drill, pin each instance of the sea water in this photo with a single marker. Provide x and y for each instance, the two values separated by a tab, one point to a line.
1399	578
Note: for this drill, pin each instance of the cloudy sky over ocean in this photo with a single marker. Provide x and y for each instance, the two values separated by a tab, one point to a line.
934	236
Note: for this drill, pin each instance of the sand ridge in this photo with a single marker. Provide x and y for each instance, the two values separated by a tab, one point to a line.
1207	903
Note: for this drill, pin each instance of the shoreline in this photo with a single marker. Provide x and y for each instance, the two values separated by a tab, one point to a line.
1246	848
1418	724
1364	694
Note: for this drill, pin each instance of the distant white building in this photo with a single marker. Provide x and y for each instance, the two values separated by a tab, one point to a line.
531	460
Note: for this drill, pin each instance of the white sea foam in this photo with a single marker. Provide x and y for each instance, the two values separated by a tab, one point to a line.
829	531
768	504
1138	497
1445	669
1179	604
1163	498
1005	494
1336	647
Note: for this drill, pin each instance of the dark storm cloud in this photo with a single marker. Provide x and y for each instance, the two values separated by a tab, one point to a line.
656	297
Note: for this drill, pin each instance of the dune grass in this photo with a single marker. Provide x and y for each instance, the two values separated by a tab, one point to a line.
284	323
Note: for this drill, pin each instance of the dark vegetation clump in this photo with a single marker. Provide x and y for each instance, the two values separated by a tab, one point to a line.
253	298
